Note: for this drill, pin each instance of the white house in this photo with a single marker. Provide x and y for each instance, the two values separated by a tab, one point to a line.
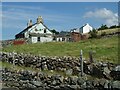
84	29
37	32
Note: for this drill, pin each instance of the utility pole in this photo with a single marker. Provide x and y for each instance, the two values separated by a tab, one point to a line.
81	62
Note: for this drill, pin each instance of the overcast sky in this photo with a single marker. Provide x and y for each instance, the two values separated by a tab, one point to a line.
59	16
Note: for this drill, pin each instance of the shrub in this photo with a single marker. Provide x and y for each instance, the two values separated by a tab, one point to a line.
103	27
103	34
93	33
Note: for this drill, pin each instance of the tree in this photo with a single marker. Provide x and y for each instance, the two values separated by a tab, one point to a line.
114	26
93	33
54	31
103	27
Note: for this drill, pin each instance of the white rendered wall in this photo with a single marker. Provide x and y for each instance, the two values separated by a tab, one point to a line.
34	39
46	39
87	29
40	29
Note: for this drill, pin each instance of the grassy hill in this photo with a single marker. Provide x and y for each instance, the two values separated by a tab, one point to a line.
107	31
105	49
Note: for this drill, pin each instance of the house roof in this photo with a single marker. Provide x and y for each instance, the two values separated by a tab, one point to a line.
63	34
30	27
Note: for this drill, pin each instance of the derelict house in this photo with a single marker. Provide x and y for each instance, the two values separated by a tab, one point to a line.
37	32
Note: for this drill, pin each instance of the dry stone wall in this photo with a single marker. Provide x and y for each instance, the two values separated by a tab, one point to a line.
103	74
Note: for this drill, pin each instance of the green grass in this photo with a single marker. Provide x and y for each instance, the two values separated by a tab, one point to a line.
105	49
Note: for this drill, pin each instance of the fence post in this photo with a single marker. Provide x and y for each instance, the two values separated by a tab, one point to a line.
91	57
81	62
13	53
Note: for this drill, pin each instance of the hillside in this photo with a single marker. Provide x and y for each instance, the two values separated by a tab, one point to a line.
108	31
104	49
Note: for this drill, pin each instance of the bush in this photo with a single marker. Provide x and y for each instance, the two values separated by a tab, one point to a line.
103	34
103	27
114	26
93	33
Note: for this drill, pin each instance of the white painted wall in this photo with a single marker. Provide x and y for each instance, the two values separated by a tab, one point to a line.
59	39
34	39
87	28
42	39
40	30
46	39
40	27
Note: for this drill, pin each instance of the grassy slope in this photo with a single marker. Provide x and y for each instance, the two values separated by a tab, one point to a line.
105	48
108	31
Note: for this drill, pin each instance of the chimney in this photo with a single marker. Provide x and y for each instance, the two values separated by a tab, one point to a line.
39	19
29	23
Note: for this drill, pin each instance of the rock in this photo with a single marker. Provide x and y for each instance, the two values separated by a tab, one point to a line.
74	87
74	80
95	83
69	72
31	85
106	72
117	68
106	84
83	86
57	88
60	78
89	84
102	82
80	81
41	88
116	84
37	83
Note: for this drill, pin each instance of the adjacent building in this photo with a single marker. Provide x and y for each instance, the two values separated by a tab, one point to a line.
84	29
63	37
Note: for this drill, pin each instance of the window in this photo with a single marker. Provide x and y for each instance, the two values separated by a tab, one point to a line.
54	38
44	30
36	29
63	39
59	39
38	39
